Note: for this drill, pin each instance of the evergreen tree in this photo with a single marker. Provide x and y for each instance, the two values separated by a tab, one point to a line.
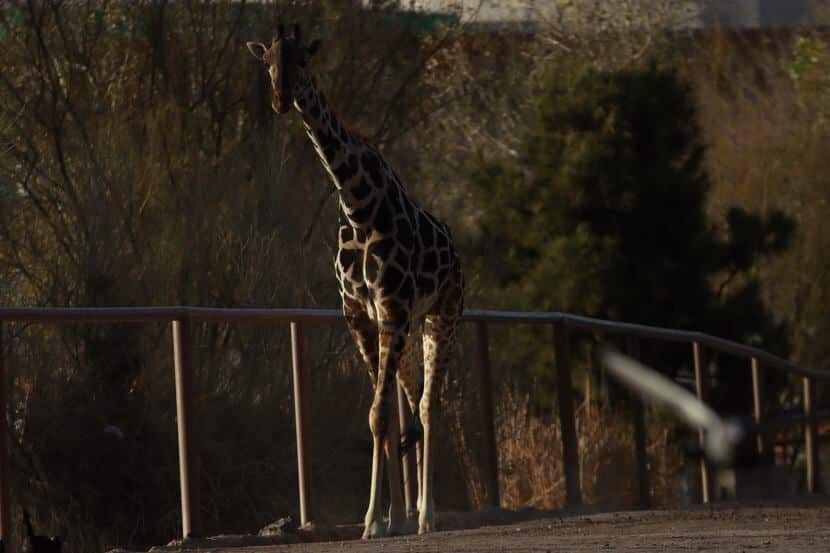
603	213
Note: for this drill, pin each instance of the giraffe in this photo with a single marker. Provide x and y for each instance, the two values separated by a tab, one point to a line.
399	279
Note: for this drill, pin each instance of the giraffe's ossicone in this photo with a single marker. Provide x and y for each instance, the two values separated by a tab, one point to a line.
399	274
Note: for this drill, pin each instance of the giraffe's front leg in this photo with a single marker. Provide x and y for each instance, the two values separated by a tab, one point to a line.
385	435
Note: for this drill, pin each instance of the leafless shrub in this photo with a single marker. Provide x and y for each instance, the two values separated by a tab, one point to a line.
142	165
530	455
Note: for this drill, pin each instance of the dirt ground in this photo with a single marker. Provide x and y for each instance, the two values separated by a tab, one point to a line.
797	529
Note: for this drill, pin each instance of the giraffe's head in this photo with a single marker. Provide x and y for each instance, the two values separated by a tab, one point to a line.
284	60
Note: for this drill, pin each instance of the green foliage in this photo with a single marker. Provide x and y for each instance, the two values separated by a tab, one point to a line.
807	66
602	213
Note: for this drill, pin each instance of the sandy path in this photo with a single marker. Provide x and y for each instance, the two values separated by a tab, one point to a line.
727	529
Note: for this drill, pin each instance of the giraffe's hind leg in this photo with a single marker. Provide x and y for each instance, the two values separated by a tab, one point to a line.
410	378
397	509
439	345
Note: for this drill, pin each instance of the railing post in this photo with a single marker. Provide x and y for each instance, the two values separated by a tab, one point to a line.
185	421
404	418
597	368
5	473
757	404
301	409
700	385
491	478
564	393
810	444
633	347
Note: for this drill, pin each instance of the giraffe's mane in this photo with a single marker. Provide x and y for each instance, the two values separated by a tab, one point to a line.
330	107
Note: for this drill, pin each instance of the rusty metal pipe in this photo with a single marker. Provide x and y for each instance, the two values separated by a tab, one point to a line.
188	461
567	421
810	443
638	409
700	388
491	478
301	379
757	414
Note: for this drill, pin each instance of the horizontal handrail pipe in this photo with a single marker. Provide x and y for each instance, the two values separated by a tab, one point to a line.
165	314
646	331
265	315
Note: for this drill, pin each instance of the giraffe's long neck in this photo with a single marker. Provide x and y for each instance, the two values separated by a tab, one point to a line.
342	154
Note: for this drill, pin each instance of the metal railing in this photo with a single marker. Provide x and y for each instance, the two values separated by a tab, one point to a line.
181	319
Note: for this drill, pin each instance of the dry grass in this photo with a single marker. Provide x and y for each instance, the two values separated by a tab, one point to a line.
530	453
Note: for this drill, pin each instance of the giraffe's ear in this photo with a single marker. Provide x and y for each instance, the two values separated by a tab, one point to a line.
258	49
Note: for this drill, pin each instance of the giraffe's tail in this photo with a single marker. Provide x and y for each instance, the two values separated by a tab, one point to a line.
411	435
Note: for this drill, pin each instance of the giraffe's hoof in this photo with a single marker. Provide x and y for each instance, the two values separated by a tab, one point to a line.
425	528
411	435
374	529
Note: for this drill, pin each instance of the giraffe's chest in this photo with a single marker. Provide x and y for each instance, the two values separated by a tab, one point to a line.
403	269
